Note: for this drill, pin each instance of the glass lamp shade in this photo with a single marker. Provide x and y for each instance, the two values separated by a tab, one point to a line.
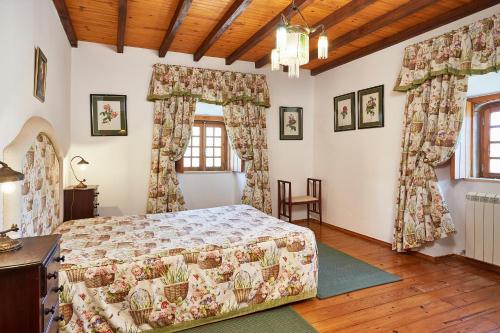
9	175
281	38
323	46
275	60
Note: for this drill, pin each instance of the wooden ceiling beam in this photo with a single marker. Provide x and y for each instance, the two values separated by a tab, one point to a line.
62	10
433	23
224	23
122	20
263	32
179	15
378	23
334	18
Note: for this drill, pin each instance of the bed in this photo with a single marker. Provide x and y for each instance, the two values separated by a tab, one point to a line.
159	272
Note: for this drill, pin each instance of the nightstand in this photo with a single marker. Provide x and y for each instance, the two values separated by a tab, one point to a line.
80	203
29	285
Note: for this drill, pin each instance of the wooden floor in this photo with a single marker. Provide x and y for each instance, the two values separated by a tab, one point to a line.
449	296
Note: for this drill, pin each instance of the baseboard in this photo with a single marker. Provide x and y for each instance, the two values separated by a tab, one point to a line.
378	241
477	263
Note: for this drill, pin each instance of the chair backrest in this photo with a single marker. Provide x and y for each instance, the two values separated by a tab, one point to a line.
314	187
284	191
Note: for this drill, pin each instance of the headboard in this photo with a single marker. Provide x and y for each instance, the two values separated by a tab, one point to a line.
36	204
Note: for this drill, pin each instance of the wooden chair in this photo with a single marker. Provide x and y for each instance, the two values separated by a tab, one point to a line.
312	199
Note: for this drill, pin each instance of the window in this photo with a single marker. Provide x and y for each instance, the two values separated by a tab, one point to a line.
477	154
489	135
207	148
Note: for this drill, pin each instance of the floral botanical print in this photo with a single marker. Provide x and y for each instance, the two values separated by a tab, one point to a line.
246	129
432	120
173	120
174	89
108	114
40	189
434	77
178	270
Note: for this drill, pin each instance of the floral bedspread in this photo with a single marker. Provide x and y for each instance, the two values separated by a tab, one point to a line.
177	270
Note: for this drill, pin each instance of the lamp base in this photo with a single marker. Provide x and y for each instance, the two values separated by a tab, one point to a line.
8	244
80	185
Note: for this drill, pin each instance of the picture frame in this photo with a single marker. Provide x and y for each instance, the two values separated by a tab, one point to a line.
108	115
344	107
40	75
371	107
291	123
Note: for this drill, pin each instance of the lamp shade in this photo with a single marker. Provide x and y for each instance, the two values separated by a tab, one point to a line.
9	175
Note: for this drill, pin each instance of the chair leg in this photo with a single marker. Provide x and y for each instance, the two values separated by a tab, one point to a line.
320	214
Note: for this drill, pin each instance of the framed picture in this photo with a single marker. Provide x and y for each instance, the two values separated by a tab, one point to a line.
290	123
371	107
108	115
40	75
344	112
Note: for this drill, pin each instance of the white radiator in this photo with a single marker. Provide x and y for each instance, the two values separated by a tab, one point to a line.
482	227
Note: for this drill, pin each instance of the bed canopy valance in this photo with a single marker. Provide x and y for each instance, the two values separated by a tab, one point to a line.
472	49
208	85
245	97
434	76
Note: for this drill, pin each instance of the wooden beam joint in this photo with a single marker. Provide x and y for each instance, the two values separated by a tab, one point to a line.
179	15
62	10
122	20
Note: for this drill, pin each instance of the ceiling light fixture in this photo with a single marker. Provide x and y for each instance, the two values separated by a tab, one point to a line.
292	44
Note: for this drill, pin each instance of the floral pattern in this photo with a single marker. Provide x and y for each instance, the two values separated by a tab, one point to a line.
175	90
173	120
40	189
472	49
179	270
246	129
434	76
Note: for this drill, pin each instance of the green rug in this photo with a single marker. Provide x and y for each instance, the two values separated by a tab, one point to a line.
277	320
340	273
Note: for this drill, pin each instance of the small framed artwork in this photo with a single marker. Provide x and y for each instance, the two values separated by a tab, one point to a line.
371	107
291	123
108	115
40	75
344	112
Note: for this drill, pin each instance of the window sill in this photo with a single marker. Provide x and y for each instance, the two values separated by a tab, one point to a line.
482	180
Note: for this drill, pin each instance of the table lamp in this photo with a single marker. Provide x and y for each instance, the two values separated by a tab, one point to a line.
82	163
7	177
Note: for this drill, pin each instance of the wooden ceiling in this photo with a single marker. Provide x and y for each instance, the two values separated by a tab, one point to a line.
244	29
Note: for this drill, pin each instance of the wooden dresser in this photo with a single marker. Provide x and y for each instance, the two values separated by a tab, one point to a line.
29	285
80	203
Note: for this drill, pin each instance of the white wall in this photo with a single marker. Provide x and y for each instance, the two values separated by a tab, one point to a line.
120	165
360	168
25	24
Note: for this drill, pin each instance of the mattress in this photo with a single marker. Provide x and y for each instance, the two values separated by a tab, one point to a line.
168	272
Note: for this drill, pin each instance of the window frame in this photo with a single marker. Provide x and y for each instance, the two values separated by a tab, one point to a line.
484	114
203	122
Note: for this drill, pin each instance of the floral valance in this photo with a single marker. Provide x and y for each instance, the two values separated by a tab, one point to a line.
472	49
210	86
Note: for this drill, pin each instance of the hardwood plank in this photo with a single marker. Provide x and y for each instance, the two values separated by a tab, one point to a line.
122	21
62	10
263	32
233	12
180	13
433	23
331	20
451	294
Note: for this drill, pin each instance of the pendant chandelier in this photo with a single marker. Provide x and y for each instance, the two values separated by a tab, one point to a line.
292	44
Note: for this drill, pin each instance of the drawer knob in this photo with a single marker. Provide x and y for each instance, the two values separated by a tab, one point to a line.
52	275
60	259
59	318
51	310
58	290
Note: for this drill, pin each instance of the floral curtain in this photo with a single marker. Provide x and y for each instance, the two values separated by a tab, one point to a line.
434	76
246	129
175	90
173	120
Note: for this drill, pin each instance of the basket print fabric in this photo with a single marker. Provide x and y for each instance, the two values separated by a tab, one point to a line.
40	189
178	270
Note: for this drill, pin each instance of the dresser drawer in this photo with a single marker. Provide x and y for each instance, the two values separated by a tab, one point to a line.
50	273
